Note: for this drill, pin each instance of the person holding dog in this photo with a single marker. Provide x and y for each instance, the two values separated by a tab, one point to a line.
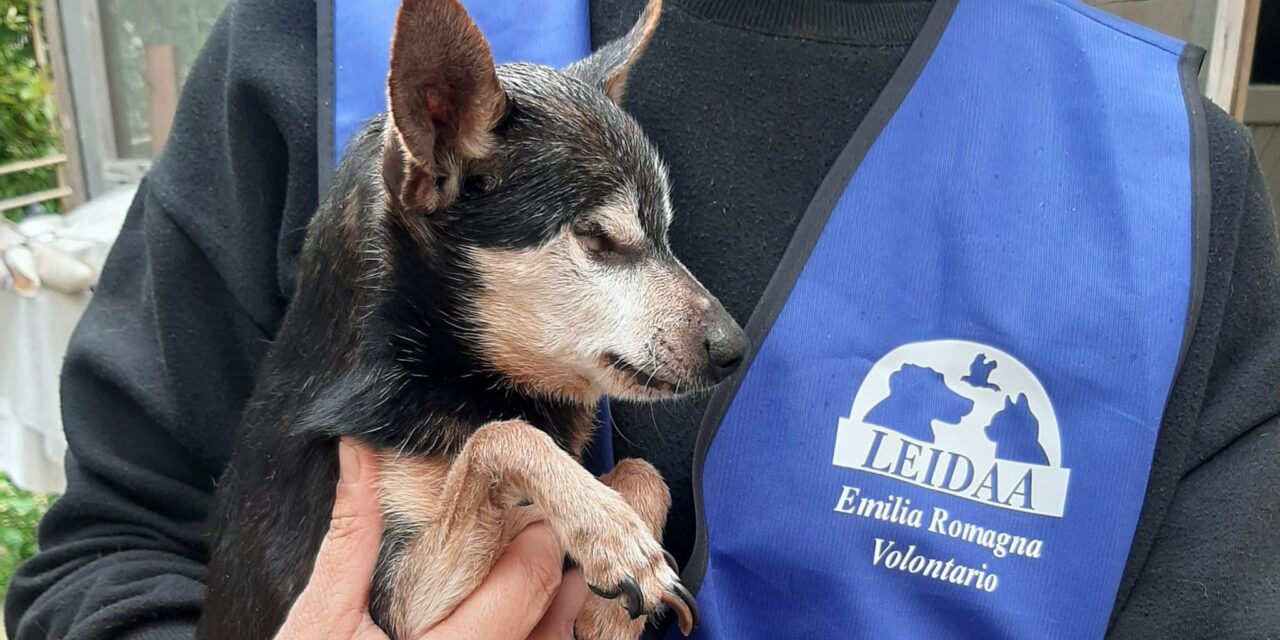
1026	189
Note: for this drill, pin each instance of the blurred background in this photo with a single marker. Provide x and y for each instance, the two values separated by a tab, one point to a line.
88	91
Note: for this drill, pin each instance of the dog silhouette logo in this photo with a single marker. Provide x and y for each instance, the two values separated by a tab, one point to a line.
960	418
917	396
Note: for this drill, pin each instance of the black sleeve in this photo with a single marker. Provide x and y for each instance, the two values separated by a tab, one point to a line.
1212	562
164	359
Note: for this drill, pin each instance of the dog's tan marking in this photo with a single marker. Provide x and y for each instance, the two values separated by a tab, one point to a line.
465	513
461	533
578	433
349	216
534	310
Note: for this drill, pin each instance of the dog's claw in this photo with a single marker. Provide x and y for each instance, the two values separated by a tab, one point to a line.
628	587
671	561
678	599
635	598
686	607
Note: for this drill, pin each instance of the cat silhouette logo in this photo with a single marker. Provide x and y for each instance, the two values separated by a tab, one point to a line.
960	418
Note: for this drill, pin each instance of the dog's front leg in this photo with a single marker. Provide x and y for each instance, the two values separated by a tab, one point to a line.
616	548
643	488
463	516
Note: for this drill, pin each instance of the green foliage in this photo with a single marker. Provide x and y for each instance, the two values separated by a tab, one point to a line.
20	512
28	121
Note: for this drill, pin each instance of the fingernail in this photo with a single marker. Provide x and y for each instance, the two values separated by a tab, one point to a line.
348	463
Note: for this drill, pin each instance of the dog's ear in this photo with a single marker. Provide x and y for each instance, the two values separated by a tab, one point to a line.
444	99
609	67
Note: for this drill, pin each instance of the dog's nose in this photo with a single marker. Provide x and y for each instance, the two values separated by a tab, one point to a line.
726	345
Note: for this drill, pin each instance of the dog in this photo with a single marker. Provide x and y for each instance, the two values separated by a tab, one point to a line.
491	261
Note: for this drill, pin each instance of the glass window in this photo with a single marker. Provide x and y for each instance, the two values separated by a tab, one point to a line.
150	46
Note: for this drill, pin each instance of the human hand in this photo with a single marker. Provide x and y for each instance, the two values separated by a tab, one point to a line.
524	597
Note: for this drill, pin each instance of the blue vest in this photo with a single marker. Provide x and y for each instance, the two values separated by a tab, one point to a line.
961	366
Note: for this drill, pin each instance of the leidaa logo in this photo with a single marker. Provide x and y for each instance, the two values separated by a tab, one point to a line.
960	418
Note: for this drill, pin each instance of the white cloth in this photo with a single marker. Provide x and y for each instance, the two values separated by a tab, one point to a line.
33	340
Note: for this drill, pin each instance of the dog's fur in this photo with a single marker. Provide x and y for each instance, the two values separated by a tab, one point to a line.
490	261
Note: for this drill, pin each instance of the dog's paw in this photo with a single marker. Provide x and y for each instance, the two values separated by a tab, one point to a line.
622	561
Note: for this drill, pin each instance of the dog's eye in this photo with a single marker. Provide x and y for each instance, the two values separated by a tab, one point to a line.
477	185
595	240
599	244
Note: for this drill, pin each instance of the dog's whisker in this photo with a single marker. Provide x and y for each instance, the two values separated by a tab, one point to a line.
617	428
652	354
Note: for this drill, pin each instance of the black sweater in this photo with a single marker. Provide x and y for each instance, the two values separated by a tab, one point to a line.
750	101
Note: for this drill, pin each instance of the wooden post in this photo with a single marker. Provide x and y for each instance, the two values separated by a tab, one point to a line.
1229	55
37	37
1226	28
1248	40
162	93
51	56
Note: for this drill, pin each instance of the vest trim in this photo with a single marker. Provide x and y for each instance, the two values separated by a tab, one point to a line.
1201	197
324	95
1189	65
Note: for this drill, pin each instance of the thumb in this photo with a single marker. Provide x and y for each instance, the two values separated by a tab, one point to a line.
337	594
349	552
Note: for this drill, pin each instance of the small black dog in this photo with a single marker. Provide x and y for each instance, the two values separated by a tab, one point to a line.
491	260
